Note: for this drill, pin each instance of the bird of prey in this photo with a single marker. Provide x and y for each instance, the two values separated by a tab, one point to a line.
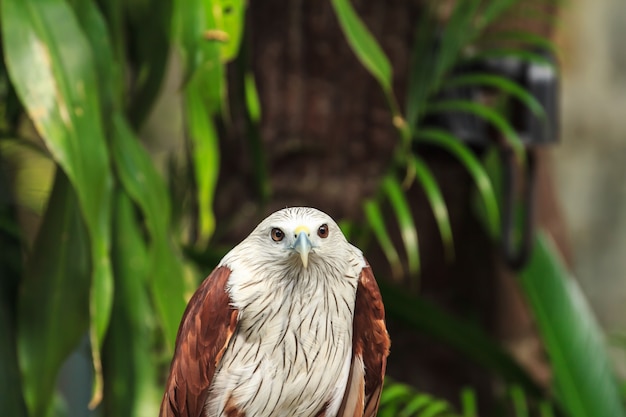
290	323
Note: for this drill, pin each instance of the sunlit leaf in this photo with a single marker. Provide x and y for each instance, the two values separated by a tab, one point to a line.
230	18
54	298
205	155
376	221
51	67
501	83
437	203
404	217
583	380
147	189
363	44
489	114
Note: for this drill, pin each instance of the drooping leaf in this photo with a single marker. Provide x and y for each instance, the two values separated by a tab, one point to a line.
51	67
408	232
510	53
252	98
363	44
485	189
571	336
149	47
130	384
489	114
503	84
437	203
146	188
205	155
54	298
530	40
376	221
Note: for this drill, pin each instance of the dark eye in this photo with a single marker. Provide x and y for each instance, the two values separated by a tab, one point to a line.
277	234
323	231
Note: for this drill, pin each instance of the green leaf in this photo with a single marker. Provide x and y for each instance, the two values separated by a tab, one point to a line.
54	298
376	221
51	67
493	11
145	186
503	84
404	217
437	203
468	402
149	47
131	387
510	53
206	158
109	71
253	103
466	337
435	408
520	404
230	18
527	39
422	77
465	156
484	112
363	44
583	380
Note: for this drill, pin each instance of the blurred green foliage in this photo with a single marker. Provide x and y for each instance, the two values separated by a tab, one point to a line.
106	260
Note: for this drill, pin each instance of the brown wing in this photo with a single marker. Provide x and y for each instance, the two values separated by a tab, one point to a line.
370	348
205	330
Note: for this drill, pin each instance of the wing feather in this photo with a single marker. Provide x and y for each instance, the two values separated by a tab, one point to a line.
370	348
205	330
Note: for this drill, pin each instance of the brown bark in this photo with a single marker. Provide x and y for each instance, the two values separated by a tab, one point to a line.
328	138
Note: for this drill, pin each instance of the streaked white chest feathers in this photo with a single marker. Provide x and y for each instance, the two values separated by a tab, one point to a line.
291	352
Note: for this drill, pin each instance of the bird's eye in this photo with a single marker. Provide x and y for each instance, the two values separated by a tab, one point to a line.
277	234
323	231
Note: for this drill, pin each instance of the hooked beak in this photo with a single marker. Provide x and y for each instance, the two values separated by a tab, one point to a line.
303	246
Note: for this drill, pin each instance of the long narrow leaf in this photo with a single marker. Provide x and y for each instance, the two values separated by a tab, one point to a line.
144	185
363	44
54	298
527	39
485	189
206	154
376	221
480	110
130	375
503	84
51	67
404	217
571	336
437	204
